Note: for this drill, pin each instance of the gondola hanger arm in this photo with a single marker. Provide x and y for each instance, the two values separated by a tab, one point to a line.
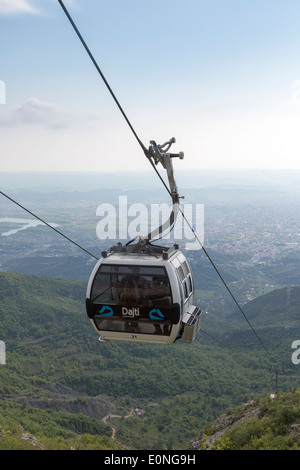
159	154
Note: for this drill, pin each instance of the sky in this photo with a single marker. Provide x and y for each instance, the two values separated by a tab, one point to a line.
221	76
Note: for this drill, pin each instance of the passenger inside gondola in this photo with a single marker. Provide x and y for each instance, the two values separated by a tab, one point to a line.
133	293
130	292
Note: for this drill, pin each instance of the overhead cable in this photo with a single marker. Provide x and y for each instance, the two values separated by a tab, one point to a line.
48	225
147	154
101	74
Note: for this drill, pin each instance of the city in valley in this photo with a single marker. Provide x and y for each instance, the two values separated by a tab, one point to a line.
251	229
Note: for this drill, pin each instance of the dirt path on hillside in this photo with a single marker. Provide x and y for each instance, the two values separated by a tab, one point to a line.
109	416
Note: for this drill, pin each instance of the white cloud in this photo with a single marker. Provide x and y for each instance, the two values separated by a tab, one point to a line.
12	7
35	112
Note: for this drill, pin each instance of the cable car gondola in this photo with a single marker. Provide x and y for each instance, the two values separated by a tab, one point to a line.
142	292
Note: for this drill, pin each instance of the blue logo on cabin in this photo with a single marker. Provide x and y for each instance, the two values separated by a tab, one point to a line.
156	314
106	311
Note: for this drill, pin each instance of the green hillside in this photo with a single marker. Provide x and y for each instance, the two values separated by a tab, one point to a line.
55	364
280	305
27	428
262	424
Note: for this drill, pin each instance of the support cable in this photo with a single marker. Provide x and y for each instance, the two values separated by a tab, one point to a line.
48	225
146	152
222	279
102	75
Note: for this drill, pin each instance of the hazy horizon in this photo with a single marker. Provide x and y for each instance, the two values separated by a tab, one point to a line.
126	180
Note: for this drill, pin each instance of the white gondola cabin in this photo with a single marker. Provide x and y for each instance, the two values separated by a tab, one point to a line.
143	293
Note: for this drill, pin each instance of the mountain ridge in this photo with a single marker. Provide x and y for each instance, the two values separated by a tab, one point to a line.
56	363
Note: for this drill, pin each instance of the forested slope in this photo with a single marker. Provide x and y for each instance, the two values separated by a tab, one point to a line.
55	362
262	424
